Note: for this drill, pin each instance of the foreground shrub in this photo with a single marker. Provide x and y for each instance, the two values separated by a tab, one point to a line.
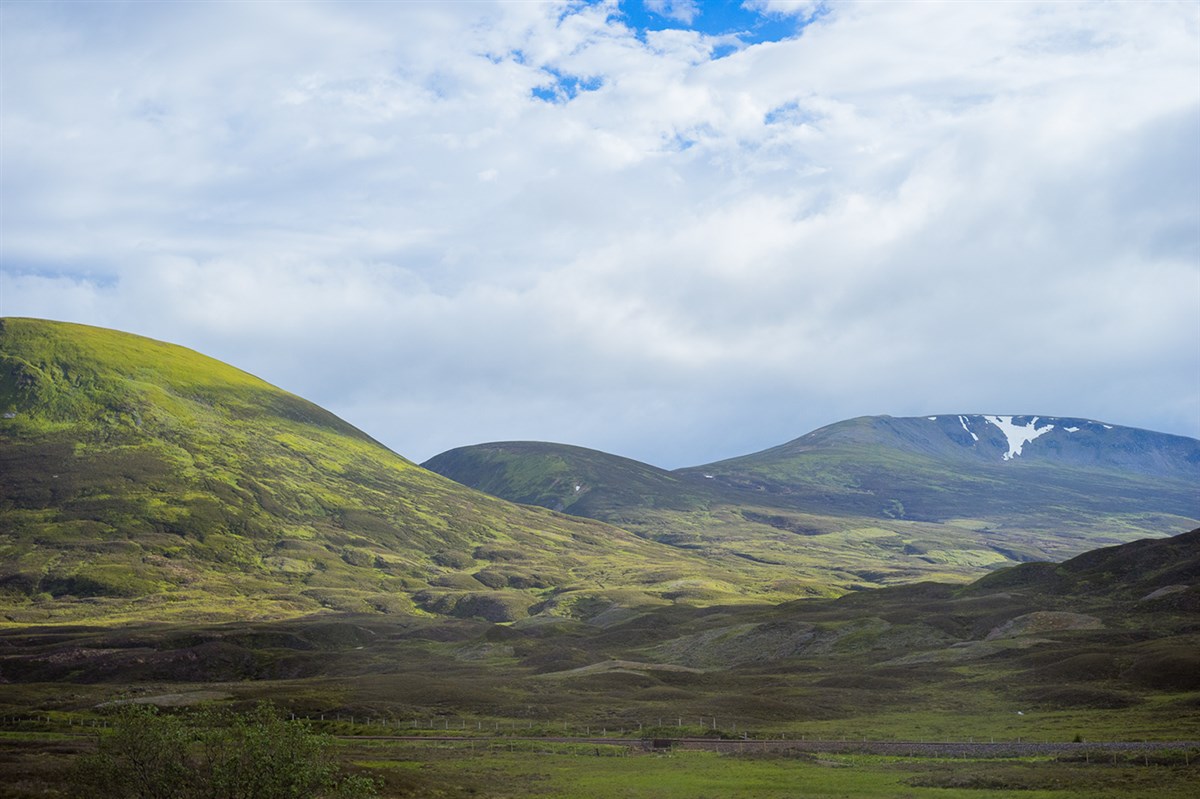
255	755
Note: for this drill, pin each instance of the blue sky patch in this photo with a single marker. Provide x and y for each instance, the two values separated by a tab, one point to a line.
797	235
791	114
720	18
564	87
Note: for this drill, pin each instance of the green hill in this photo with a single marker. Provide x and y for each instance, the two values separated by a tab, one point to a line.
875	500
580	481
1105	645
140	479
1009	469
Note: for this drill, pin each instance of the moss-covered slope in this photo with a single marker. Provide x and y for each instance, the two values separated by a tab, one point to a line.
143	480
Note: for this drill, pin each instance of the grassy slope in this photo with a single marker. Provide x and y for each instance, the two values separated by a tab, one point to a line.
581	481
139	479
157	465
782	552
870	501
1091	647
920	469
520	770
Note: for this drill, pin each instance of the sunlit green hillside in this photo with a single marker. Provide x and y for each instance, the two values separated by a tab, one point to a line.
143	480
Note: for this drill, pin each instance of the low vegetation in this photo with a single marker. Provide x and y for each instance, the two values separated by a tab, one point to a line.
407	770
253	755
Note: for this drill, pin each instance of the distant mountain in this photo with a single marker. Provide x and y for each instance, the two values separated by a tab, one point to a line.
878	499
994	439
580	481
970	466
140	479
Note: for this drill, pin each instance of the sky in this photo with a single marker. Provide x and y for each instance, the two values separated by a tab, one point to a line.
673	230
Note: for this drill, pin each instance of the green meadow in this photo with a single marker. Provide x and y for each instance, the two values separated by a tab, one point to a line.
35	766
705	775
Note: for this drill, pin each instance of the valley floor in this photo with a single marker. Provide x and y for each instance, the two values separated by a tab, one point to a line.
34	764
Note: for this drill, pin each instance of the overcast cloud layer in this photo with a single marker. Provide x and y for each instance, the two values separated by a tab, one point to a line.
618	226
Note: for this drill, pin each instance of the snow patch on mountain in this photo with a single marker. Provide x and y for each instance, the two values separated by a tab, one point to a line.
1018	435
963	421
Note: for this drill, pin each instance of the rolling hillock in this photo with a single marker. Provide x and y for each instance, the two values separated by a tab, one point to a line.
575	480
1039	651
875	500
140	479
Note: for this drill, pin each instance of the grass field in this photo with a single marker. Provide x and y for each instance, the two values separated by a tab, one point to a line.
701	775
33	767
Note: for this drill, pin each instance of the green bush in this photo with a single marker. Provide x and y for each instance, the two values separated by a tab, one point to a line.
358	557
496	553
254	755
453	560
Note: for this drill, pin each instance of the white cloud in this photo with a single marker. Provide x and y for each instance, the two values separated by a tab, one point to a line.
906	208
793	8
684	11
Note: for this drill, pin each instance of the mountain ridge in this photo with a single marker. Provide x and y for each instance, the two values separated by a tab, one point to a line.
1006	438
885	463
990	442
175	521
